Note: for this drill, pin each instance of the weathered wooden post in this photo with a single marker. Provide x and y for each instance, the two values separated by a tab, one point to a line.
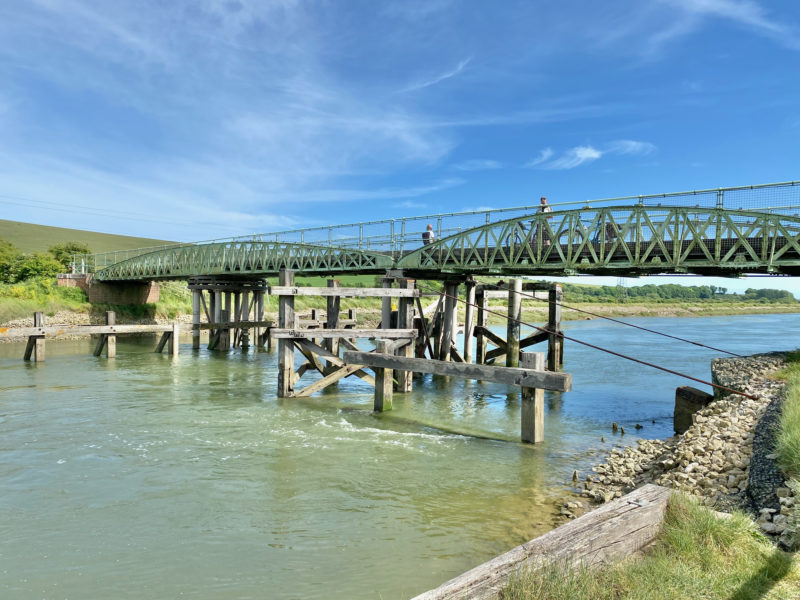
450	318
469	319
481	342
215	334
237	309
174	339
554	341
405	319
532	413
286	320
262	335
386	304
245	338
383	382
333	306
225	340
111	339
514	318
35	345
196	318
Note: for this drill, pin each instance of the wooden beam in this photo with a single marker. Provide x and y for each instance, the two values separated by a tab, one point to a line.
514	318
536	338
175	339
285	334
490	336
383	383
561	382
286	318
605	535
333	360
333	304
425	329
555	341
165	338
327	380
59	330
449	319
196	295
405	320
344	292
481	328
469	319
309	354
532	410
245	324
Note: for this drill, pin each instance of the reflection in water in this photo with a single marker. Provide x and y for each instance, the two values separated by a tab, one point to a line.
190	477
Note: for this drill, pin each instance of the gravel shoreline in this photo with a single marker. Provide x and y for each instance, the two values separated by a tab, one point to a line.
725	457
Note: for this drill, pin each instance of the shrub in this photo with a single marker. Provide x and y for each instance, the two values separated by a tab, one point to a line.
38	264
9	254
63	252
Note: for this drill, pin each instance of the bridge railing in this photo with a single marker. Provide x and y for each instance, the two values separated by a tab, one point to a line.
399	236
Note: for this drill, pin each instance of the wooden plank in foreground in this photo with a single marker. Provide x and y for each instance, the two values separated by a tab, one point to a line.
284	334
344	292
56	330
561	382
605	535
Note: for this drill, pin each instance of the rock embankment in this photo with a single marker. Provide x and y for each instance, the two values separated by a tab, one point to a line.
713	459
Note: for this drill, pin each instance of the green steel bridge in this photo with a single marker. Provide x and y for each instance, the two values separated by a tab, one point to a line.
723	231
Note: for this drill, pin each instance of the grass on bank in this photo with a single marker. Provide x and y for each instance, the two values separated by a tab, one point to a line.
787	438
697	555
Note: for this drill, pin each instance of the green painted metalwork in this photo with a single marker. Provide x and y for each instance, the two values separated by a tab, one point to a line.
631	240
720	231
245	259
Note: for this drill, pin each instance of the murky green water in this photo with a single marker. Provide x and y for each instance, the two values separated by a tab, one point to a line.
141	477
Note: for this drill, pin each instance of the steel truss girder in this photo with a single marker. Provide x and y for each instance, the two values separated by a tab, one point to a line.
634	239
243	259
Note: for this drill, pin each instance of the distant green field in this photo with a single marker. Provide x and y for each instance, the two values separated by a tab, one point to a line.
38	238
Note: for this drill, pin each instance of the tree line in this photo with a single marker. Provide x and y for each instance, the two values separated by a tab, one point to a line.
16	266
670	292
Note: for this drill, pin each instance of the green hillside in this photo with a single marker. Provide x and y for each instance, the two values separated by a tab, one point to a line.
38	238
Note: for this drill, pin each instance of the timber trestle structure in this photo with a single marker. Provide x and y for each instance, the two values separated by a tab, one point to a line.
412	339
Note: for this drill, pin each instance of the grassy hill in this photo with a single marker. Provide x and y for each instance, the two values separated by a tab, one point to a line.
38	238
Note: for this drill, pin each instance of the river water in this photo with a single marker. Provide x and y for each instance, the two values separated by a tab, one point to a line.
141	477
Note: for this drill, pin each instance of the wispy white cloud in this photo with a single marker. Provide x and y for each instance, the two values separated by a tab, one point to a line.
581	155
544	156
630	147
438	78
574	157
477	164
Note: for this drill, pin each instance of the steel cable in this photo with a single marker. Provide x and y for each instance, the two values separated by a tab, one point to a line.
606	350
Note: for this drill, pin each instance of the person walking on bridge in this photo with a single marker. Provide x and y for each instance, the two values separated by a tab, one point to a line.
428	237
544	208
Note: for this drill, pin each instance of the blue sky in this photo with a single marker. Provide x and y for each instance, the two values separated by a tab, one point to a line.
192	120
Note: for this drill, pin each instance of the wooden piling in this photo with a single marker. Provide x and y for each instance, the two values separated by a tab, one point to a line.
383	382
532	413
35	345
174	339
246	309
196	318
286	319
333	306
386	304
405	319
111	339
449	319
555	355
514	318
469	319
481	342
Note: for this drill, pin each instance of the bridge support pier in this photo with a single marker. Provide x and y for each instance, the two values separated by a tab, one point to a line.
227	305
